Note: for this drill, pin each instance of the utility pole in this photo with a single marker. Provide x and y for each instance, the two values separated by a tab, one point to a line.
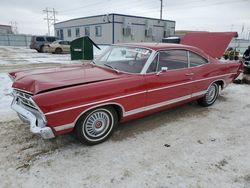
50	17
14	27
161	10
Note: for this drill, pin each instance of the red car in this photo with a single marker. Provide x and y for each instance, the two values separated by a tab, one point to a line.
127	81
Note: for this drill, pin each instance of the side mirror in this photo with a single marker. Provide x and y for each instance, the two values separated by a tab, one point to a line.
163	69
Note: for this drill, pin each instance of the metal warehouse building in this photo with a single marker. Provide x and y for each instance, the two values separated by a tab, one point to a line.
115	28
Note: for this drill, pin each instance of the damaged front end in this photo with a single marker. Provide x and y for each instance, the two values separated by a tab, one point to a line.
29	112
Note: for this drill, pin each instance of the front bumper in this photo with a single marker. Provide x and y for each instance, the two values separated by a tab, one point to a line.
37	125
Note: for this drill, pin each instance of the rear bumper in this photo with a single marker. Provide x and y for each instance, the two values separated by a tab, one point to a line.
37	125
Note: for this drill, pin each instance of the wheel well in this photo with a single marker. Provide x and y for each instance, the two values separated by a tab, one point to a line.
220	83
41	47
118	109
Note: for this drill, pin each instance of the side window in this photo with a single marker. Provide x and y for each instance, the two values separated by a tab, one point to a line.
86	31
98	31
196	60
63	42
153	66
40	39
173	59
50	39
69	32
77	32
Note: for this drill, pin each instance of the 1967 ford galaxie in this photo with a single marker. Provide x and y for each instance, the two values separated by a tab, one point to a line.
127	81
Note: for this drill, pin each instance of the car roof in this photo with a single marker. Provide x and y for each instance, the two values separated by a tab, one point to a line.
164	46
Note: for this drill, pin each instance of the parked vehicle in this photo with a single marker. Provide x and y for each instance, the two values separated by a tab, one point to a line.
246	58
58	47
175	40
38	42
127	81
246	66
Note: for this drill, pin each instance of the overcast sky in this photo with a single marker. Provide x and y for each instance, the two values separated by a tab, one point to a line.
208	15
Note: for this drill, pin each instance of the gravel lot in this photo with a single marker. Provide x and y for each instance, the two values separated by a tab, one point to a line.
187	146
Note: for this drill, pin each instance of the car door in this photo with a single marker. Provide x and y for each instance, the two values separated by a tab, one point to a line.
168	79
202	71
67	46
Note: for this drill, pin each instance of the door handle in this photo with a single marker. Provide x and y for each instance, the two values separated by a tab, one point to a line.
189	74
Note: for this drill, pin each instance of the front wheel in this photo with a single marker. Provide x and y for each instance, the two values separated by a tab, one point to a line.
211	95
96	125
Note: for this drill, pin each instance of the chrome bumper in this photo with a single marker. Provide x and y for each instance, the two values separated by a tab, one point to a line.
41	129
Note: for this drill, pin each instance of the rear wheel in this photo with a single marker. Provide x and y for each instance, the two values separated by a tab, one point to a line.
42	49
58	50
96	125
210	96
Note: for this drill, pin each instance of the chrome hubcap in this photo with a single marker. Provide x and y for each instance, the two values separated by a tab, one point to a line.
211	93
97	123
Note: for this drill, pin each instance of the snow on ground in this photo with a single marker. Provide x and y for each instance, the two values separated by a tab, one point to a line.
5	87
24	55
187	146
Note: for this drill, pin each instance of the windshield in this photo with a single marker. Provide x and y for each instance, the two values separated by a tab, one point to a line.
125	59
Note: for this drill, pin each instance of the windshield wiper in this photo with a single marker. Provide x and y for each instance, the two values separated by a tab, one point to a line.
110	66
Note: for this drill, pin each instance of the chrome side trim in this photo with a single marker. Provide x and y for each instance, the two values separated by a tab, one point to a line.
137	93
97	102
166	87
161	104
198	93
135	111
63	127
71	125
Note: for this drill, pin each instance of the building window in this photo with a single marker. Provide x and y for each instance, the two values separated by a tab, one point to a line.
86	31
69	32
58	33
98	31
77	32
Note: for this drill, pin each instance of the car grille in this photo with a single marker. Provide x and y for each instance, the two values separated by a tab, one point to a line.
24	98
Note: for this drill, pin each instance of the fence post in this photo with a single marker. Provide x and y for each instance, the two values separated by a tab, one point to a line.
8	39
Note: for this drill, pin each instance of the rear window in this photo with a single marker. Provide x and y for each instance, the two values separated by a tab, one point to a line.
196	60
40	39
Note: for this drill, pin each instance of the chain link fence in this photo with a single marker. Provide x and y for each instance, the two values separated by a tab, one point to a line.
15	40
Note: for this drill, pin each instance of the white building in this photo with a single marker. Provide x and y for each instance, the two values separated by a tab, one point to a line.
5	29
115	28
239	44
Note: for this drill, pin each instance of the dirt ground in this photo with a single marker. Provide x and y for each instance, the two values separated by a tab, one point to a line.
187	146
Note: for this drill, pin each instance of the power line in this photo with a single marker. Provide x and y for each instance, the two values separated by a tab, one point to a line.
50	17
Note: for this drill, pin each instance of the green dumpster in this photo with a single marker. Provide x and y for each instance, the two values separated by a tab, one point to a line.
82	48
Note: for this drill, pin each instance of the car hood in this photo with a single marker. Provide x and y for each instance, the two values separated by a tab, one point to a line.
42	80
213	43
